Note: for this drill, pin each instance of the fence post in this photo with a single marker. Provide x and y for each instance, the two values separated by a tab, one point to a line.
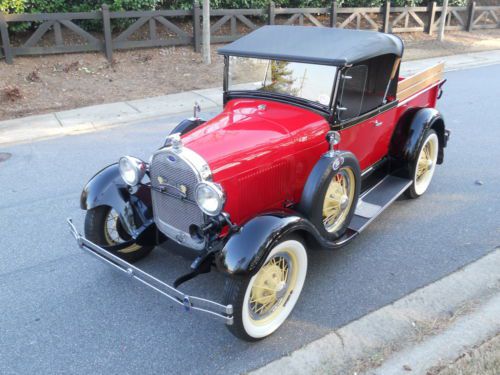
271	14
4	31
333	14
196	26
431	15
387	17
442	24
470	20
108	39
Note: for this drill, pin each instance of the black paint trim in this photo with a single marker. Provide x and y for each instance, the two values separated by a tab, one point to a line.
287	99
185	126
364	117
408	137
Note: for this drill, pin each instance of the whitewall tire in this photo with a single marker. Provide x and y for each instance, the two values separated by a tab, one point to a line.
264	301
424	166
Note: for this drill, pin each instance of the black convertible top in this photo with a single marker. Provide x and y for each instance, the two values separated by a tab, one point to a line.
311	44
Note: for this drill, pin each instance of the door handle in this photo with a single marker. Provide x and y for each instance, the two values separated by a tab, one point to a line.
378	123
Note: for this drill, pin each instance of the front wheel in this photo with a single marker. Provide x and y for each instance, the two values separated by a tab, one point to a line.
262	303
104	228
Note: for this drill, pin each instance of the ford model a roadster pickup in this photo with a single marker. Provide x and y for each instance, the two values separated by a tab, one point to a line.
318	135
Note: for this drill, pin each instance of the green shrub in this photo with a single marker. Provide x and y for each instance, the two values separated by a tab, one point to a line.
62	6
53	6
12	6
48	6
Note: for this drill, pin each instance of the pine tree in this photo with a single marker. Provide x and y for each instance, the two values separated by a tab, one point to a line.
281	78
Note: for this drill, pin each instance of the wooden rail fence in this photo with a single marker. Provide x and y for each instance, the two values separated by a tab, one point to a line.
65	32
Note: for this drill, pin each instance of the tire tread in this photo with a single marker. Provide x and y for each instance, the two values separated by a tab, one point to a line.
94	232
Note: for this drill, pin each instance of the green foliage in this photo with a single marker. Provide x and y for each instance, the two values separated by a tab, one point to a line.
62	6
281	78
12	6
49	6
245	4
88	5
53	6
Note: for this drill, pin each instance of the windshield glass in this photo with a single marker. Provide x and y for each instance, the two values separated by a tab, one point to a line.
306	81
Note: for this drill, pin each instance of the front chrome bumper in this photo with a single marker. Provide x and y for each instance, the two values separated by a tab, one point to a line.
215	309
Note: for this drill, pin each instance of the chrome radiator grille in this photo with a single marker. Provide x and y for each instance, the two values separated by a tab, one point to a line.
175	209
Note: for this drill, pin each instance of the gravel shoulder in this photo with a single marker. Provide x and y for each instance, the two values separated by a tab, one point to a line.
483	359
44	84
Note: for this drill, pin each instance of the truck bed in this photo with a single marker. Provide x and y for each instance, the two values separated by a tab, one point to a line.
417	82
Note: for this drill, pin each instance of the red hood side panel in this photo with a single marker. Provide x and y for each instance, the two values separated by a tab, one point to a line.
259	155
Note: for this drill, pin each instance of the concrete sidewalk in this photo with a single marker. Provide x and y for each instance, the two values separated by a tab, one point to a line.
93	118
428	327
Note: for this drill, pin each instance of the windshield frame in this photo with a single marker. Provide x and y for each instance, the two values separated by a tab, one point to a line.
323	109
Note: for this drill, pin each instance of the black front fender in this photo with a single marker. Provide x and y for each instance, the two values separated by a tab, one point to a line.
107	188
245	251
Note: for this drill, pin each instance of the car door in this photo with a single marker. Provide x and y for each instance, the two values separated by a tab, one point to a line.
365	122
374	136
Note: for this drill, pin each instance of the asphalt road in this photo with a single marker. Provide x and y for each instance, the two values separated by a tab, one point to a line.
61	311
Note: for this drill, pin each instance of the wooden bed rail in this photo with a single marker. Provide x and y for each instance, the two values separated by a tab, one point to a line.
411	85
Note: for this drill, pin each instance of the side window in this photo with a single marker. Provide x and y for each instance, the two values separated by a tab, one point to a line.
352	93
379	74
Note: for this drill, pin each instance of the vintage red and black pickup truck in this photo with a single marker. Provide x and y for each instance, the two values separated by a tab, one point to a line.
318	135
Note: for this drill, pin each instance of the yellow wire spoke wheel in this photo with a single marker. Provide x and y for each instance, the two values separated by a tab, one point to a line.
426	164
104	228
272	287
112	233
338	199
269	296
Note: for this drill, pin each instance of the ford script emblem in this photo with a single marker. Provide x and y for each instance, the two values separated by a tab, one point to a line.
171	158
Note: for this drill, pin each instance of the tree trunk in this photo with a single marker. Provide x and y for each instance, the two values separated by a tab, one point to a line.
206	32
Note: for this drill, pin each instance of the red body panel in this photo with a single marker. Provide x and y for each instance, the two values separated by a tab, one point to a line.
370	143
261	157
262	151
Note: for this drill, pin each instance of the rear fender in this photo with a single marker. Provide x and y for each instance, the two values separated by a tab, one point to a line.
409	135
107	188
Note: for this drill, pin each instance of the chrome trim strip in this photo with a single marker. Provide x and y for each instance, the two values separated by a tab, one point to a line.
366	171
195	161
217	310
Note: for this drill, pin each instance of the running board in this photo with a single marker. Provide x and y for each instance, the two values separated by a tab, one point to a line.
373	202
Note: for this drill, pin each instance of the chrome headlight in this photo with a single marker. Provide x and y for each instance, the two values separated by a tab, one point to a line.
132	170
210	198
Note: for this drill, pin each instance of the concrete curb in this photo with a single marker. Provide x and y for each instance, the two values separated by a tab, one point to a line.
472	329
372	338
98	117
103	116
